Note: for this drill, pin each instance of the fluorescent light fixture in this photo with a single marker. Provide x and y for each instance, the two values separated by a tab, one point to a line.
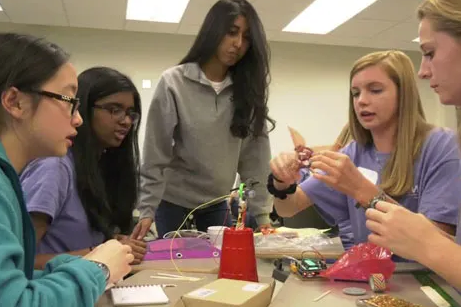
156	10
323	16
1	8
416	40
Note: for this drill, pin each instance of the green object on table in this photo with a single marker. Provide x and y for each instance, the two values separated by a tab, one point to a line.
425	280
242	190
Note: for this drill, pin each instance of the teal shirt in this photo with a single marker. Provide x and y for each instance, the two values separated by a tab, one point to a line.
66	281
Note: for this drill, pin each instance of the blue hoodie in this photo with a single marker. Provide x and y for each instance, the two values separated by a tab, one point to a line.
66	281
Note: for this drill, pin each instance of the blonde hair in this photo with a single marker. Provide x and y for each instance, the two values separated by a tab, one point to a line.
343	138
398	173
444	15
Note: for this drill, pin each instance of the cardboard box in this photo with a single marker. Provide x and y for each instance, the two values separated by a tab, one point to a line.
230	293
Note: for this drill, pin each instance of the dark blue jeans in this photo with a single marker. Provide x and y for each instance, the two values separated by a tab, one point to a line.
169	217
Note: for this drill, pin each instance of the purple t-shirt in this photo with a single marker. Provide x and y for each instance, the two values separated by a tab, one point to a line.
345	232
436	190
50	187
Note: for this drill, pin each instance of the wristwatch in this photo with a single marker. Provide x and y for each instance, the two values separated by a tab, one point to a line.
104	269
372	203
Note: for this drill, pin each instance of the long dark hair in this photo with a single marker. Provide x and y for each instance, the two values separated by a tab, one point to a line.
27	62
107	183
250	75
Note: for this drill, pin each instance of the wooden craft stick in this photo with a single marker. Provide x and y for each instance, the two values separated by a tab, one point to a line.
322	296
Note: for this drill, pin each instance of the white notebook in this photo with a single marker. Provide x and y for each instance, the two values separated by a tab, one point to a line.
139	295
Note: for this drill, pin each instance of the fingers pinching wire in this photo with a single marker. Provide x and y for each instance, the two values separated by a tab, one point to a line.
304	154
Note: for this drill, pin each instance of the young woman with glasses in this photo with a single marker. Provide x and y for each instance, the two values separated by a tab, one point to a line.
38	118
93	189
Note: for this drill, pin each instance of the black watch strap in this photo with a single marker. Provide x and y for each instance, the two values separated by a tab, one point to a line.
280	194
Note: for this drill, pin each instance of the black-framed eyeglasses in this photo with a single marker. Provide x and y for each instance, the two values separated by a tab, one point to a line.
75	102
119	114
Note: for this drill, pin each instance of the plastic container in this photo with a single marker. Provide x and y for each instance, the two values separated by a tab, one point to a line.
216	234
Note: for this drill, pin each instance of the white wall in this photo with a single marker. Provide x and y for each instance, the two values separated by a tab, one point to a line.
309	88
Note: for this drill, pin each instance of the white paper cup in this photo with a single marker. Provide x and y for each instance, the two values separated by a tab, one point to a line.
216	234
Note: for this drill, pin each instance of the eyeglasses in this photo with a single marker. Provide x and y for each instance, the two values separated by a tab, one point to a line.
74	102
119	114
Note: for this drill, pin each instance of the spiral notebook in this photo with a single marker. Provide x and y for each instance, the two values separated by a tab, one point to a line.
139	295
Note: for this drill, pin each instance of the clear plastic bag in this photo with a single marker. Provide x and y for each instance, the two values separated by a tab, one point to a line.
287	244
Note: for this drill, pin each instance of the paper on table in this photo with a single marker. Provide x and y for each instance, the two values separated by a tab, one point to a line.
139	295
111	285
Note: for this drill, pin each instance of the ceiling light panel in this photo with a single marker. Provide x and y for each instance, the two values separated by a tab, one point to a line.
323	16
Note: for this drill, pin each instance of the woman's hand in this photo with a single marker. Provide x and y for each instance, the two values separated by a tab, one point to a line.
141	229
116	256
285	167
340	173
405	233
138	247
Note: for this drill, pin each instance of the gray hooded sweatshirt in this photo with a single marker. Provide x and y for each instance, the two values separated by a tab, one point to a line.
190	156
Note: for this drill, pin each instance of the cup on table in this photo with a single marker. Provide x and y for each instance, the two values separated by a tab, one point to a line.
216	234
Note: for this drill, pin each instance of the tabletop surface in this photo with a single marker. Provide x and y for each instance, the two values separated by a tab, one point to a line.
295	292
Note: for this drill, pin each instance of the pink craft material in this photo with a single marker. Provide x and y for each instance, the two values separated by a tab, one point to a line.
360	262
183	248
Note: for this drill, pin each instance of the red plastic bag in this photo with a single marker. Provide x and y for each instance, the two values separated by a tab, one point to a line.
360	262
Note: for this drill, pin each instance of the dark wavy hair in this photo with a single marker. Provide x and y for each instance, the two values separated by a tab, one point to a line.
107	182
27	62
250	76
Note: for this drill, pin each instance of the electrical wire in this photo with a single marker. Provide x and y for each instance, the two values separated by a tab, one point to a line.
315	251
211	202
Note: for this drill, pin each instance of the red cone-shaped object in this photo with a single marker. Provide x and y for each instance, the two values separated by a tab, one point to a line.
238	259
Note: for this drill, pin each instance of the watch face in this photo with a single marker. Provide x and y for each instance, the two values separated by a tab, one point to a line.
104	269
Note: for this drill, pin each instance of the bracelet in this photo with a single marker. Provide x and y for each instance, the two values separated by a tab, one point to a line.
280	194
381	196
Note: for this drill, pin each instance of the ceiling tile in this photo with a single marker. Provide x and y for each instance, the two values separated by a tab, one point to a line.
371	28
287	6
405	31
146	26
276	20
103	14
362	28
395	10
44	12
196	11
